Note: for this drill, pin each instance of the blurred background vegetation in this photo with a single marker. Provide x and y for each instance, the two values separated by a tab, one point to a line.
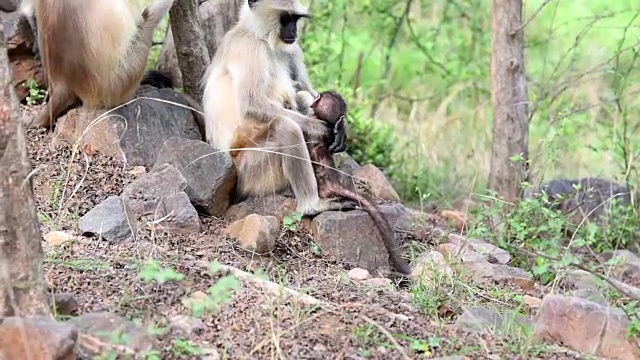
417	74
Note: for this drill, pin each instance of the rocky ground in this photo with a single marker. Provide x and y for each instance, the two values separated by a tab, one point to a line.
296	302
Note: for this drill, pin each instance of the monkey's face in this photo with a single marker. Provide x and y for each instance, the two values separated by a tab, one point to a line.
283	15
289	27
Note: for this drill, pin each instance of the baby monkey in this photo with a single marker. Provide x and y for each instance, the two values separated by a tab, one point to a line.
330	107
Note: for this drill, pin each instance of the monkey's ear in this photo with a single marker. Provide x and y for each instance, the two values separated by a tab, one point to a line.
252	2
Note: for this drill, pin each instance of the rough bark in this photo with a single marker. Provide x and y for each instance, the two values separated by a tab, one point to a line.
216	18
509	98
22	285
193	56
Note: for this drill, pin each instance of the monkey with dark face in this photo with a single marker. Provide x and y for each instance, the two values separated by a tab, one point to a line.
257	67
329	106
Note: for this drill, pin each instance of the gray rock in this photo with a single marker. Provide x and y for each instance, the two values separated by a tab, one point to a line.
345	163
148	190
479	319
210	174
591	201
353	236
112	219
109	327
178	215
135	132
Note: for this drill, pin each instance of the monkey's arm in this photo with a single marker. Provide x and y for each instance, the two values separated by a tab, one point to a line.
252	93
299	72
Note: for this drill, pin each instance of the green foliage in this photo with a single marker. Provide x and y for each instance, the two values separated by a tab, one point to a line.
429	72
36	95
153	271
218	293
291	219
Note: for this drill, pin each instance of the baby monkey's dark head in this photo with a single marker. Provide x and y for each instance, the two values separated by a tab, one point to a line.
329	106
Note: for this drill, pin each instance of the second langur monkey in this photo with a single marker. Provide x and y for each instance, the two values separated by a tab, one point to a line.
93	51
329	106
254	71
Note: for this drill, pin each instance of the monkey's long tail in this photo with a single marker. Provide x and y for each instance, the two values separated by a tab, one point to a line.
388	237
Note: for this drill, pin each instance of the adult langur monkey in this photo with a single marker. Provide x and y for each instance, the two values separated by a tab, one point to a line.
93	50
251	75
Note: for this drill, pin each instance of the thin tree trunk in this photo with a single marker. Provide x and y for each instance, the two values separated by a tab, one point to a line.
193	56
215	19
22	285
510	101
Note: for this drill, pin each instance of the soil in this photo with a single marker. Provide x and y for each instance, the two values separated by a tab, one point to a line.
360	321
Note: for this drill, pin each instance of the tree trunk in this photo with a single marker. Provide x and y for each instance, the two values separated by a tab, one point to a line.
216	18
193	56
22	285
509	97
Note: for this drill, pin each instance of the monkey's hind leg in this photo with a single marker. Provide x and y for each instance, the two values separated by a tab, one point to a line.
298	170
60	98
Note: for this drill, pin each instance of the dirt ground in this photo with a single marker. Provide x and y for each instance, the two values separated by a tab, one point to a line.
357	321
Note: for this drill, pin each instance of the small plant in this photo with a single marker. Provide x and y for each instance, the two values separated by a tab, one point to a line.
291	219
219	293
152	271
183	347
35	93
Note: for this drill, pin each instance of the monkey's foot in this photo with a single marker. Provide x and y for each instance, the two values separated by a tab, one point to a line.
333	204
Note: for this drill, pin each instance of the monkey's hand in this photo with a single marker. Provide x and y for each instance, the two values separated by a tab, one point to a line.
340	137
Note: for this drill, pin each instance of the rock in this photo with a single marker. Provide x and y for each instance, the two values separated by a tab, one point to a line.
131	133
63	303
345	163
210	354
481	273
591	201
44	337
458	219
465	255
105	326
531	301
626	264
589	294
581	279
255	233
359	274
478	319
185	326
145	193
19	42
352	236
378	183
429	266
493	253
112	220
57	238
199	295
137	170
178	215
585	326
377	282
210	174
272	205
